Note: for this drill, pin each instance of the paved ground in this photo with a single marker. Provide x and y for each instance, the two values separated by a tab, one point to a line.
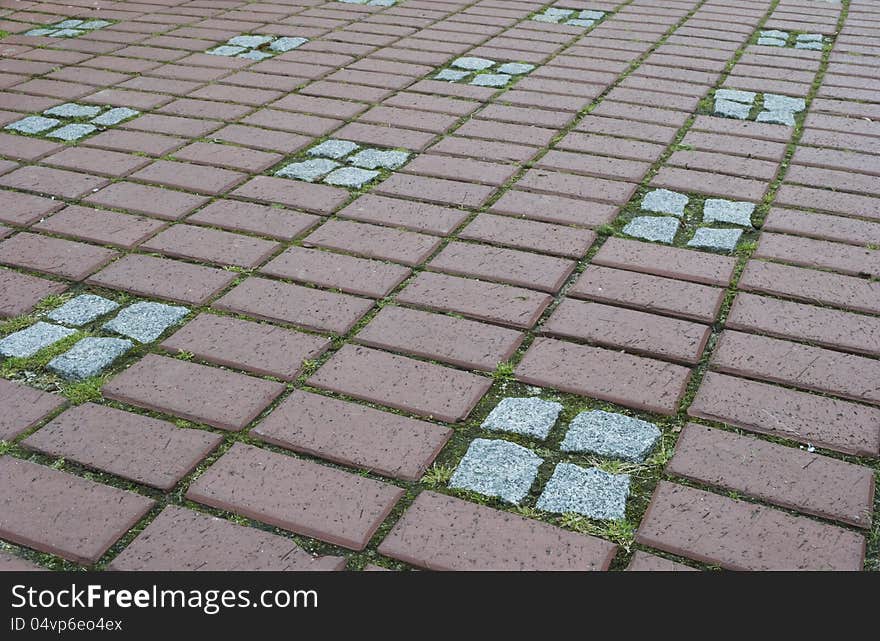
450	284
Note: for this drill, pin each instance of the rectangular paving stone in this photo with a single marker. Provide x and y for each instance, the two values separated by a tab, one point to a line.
54	255
439	532
798	365
580	187
644	562
812	286
402	383
320	199
784	476
554	209
355	435
17	208
24	407
163	278
195	392
819	325
135	142
100	226
742	536
54	182
632	381
78	519
211	245
435	190
460	342
373	241
406	214
260	348
198	178
809	252
807	418
628	330
670	262
359	276
184	540
144	199
511	266
646	292
822	226
302	306
252	218
97	161
710	183
491	302
22	292
296	495
132	446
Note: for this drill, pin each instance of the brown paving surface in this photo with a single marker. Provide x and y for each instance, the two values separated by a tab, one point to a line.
340	355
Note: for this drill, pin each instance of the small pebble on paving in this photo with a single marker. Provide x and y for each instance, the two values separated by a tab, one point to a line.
586	491
497	468
611	435
533	417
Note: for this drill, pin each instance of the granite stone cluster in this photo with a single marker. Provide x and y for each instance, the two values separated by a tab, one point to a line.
71	121
372	3
68	28
671	205
143	322
483	72
775	108
506	470
573	17
776	38
344	163
256	47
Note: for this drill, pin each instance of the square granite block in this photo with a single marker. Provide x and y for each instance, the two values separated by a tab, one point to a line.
73	110
146	321
379	158
451	75
497	468
351	177
89	357
587	491
664	201
27	342
473	64
728	211
249	42
74	131
661	229
528	416
33	124
225	50
720	239
114	116
775	102
333	148
611	435
308	170
287	44
82	309
731	109
491	80
777	117
515	68
736	95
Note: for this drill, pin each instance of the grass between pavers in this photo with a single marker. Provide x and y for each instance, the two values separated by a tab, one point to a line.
503	375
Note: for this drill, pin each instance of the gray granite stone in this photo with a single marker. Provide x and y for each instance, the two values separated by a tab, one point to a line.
41	32
352	177
730	109
333	148
89	357
497	468
73	131
451	75
611	435
736	95
774	33
81	310
91	25
661	229
254	55
33	124
379	159
720	239
771	42
287	44
382	3
491	80
73	110
559	13
543	17
308	170
810	37
225	50
776	102
67	33
249	42
533	417
515	68
586	491
146	321
812	46
717	210
776	117
664	201
27	342
473	64
68	24
591	14
114	116
580	22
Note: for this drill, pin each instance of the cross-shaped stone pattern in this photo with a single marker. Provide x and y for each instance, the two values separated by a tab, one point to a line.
76	121
775	108
573	17
69	28
482	72
344	163
257	47
777	38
